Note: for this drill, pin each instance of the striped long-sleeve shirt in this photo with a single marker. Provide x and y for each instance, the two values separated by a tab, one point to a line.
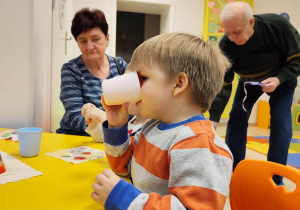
173	166
78	87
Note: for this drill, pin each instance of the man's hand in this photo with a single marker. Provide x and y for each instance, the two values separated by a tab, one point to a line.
270	84
104	185
215	124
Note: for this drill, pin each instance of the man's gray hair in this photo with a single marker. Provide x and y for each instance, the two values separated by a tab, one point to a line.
234	8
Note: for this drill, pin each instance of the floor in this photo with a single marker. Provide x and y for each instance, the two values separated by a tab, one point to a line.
255	131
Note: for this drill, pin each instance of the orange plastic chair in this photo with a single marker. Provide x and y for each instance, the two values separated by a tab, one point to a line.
252	187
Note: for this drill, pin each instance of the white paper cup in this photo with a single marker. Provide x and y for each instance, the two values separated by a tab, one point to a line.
29	141
122	89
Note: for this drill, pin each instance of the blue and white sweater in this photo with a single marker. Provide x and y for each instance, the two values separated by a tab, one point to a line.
78	87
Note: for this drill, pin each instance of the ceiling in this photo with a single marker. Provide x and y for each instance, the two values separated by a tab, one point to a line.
141	7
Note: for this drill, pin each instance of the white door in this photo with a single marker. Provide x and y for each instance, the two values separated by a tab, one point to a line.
61	23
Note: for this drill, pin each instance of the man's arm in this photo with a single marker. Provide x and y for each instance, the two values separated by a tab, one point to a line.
291	48
223	96
220	103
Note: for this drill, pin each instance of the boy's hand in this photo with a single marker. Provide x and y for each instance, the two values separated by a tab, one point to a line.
117	115
104	185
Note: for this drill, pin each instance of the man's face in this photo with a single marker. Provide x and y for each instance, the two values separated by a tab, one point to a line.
238	30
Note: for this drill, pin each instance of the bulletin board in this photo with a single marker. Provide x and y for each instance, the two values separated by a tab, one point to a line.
213	30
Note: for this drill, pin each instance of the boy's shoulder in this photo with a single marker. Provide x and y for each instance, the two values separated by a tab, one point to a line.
205	137
195	127
196	134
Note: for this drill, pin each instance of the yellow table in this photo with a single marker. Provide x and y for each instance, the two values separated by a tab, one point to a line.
63	185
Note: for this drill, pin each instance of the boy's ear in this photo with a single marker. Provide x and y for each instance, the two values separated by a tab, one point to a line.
181	84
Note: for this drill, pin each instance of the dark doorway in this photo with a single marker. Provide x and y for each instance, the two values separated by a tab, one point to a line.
132	30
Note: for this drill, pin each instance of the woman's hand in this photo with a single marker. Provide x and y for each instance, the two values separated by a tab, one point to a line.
85	107
117	115
93	115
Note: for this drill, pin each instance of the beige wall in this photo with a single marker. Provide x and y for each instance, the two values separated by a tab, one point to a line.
25	52
15	83
288	6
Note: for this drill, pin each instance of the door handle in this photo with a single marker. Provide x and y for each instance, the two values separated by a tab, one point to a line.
66	39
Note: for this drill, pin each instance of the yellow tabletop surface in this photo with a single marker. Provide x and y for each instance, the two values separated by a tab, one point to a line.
63	185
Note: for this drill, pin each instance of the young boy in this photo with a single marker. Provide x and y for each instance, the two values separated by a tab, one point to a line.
176	161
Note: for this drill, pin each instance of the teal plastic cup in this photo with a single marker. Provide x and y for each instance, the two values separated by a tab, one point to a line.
30	141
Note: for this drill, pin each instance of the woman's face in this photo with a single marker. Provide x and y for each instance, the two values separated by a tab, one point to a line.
92	44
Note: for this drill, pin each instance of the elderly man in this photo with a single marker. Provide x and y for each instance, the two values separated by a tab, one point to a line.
264	49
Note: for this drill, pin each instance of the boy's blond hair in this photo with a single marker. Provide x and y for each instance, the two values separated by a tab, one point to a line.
202	62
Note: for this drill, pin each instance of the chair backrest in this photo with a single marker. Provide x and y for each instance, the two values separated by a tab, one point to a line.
252	187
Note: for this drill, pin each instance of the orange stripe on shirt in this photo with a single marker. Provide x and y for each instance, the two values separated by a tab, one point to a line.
155	201
202	126
205	141
132	143
119	164
157	162
202	142
202	198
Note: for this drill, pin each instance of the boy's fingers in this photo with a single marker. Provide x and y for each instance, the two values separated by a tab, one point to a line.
126	104
96	187
108	173
95	197
103	101
100	178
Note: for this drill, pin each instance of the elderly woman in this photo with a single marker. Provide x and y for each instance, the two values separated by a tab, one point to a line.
82	77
